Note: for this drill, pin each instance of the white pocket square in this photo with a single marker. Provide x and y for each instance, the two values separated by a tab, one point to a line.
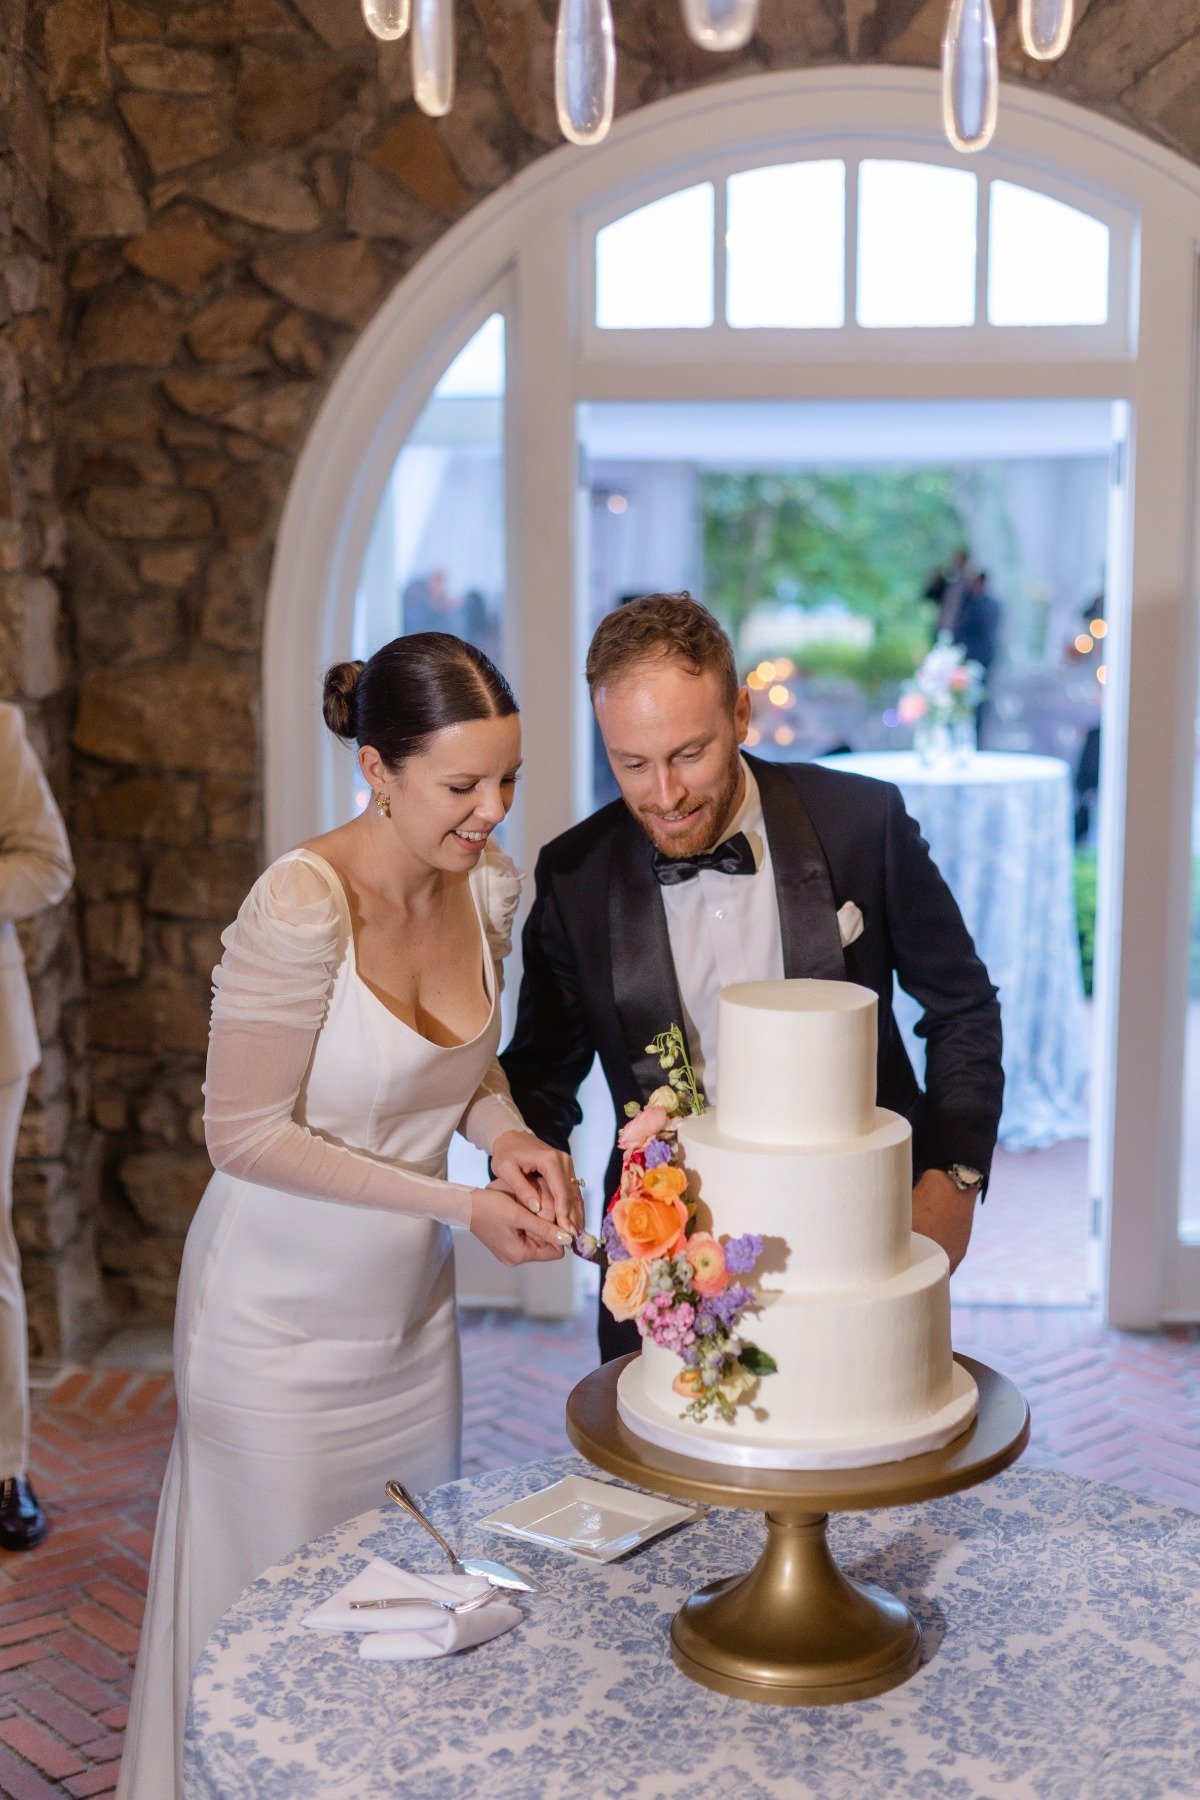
850	923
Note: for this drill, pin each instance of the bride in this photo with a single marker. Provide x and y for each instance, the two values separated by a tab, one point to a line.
354	1029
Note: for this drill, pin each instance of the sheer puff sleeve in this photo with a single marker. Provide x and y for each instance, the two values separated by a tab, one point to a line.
270	996
492	1109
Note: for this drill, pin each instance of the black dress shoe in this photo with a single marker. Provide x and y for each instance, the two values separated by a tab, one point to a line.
22	1521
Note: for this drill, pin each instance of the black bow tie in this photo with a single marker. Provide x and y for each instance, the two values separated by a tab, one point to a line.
733	857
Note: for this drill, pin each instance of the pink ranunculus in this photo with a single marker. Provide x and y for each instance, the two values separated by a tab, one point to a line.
911	707
709	1274
643	1126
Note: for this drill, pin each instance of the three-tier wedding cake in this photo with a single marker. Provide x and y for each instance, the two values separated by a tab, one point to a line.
851	1304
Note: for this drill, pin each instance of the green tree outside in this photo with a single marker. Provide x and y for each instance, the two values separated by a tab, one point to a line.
867	537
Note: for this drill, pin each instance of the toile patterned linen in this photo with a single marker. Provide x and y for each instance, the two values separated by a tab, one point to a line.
1001	830
1061	1642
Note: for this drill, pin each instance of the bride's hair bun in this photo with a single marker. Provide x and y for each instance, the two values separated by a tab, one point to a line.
339	700
411	688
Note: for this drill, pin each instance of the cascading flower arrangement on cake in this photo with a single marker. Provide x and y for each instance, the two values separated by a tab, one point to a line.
678	1284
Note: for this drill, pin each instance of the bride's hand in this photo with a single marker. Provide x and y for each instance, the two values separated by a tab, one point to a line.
512	1233
516	1155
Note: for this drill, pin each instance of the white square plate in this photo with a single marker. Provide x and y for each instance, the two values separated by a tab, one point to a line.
593	1519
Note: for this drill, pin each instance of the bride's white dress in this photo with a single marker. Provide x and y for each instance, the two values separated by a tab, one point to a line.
316	1340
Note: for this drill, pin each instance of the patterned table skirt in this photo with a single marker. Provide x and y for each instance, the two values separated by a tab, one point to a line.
1061	1661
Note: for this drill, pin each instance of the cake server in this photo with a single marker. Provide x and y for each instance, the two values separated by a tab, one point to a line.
497	1574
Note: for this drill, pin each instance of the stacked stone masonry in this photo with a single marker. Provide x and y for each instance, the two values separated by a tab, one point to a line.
202	203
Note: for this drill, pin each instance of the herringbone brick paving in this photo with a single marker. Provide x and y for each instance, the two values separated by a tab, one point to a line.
1110	1406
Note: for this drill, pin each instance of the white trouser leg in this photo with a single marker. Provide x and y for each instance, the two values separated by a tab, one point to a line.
14	1352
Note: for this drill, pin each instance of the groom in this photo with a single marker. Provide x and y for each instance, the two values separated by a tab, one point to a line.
715	867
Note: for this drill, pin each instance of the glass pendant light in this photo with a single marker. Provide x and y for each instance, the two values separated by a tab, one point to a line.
1046	27
387	19
720	24
585	69
970	75
433	55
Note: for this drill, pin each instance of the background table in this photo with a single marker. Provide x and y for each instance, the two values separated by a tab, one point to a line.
1001	830
1061	1637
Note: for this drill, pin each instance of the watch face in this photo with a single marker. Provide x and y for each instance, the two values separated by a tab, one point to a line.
963	1177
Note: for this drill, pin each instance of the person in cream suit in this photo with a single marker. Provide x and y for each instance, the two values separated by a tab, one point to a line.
35	871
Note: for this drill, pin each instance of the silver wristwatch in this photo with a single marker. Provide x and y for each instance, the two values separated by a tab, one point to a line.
964	1177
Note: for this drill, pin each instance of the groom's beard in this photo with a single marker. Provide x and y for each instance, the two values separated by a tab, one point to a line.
714	814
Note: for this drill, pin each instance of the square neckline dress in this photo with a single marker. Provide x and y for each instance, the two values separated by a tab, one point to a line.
316	1343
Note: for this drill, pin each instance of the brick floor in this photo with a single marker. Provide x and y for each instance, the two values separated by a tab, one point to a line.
1106	1405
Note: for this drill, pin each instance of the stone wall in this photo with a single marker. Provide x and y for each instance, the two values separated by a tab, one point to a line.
236	185
55	1185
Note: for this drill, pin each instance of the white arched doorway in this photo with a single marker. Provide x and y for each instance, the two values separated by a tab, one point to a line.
528	254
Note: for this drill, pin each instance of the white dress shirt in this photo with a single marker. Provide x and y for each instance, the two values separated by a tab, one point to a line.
723	928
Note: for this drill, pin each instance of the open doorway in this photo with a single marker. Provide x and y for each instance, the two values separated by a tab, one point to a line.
829	538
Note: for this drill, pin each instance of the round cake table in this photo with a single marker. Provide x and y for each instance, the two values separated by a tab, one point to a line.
1060	1644
1000	827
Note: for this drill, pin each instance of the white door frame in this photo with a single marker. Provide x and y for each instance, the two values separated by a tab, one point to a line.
523	244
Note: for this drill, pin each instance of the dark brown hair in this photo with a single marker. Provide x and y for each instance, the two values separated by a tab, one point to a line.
410	689
655	627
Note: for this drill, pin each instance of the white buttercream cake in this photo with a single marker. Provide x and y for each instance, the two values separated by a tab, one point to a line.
852	1305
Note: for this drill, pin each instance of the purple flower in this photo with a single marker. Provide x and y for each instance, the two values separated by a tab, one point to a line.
725	1309
586	1245
610	1238
742	1253
657	1152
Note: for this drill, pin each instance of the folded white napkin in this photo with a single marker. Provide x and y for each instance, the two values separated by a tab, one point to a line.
410	1633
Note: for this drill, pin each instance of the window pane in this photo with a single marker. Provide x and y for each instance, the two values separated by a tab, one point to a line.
787	246
1047	262
477	372
435	559
916	244
654	267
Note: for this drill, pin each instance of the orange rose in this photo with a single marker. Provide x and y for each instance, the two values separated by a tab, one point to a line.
664	1183
650	1227
625	1288
689	1383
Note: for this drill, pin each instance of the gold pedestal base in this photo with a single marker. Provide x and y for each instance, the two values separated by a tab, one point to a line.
795	1631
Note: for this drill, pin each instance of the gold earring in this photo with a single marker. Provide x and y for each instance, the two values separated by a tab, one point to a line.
383	805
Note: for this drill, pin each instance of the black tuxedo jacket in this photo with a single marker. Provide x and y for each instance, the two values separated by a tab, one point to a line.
599	977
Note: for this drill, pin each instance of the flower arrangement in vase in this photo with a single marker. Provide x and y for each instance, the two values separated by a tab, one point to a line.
678	1284
940	701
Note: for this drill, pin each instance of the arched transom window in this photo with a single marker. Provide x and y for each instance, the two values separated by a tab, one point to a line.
856	245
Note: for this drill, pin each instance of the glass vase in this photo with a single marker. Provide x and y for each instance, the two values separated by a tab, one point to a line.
933	743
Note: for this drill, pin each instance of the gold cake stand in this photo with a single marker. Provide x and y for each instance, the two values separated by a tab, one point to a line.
795	1631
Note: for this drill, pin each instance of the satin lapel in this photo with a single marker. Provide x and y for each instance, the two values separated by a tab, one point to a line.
643	971
812	944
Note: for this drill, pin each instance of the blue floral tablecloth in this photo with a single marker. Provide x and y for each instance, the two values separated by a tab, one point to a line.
1061	1642
1001	830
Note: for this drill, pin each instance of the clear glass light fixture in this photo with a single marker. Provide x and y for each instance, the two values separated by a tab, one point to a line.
1046	27
585	69
387	19
433	55
720	24
970	75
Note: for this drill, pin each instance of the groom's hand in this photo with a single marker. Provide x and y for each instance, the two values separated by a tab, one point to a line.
944	1213
542	1178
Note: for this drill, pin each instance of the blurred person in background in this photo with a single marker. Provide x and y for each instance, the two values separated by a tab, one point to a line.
35	872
